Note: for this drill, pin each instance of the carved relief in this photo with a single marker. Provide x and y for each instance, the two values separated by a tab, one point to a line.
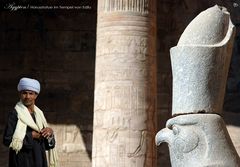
128	146
120	96
69	138
120	74
135	46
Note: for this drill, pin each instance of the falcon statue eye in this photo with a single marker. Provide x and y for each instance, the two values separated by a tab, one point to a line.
176	130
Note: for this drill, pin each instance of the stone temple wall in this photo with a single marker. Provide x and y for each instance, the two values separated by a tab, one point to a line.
58	48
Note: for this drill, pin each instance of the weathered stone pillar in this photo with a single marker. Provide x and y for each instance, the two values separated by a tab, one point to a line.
125	84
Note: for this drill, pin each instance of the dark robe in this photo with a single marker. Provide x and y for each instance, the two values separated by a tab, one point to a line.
32	153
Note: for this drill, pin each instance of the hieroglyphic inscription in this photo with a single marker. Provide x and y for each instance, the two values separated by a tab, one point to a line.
135	46
71	147
119	75
69	138
120	96
120	106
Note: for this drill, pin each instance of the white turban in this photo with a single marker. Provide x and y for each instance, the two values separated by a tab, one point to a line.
28	84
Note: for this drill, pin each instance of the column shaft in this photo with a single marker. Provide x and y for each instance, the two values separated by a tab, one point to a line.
125	84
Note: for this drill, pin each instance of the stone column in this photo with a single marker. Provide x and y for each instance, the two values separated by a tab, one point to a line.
125	84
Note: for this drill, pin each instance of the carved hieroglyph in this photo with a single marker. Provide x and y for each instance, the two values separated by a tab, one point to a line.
197	136
125	84
72	145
